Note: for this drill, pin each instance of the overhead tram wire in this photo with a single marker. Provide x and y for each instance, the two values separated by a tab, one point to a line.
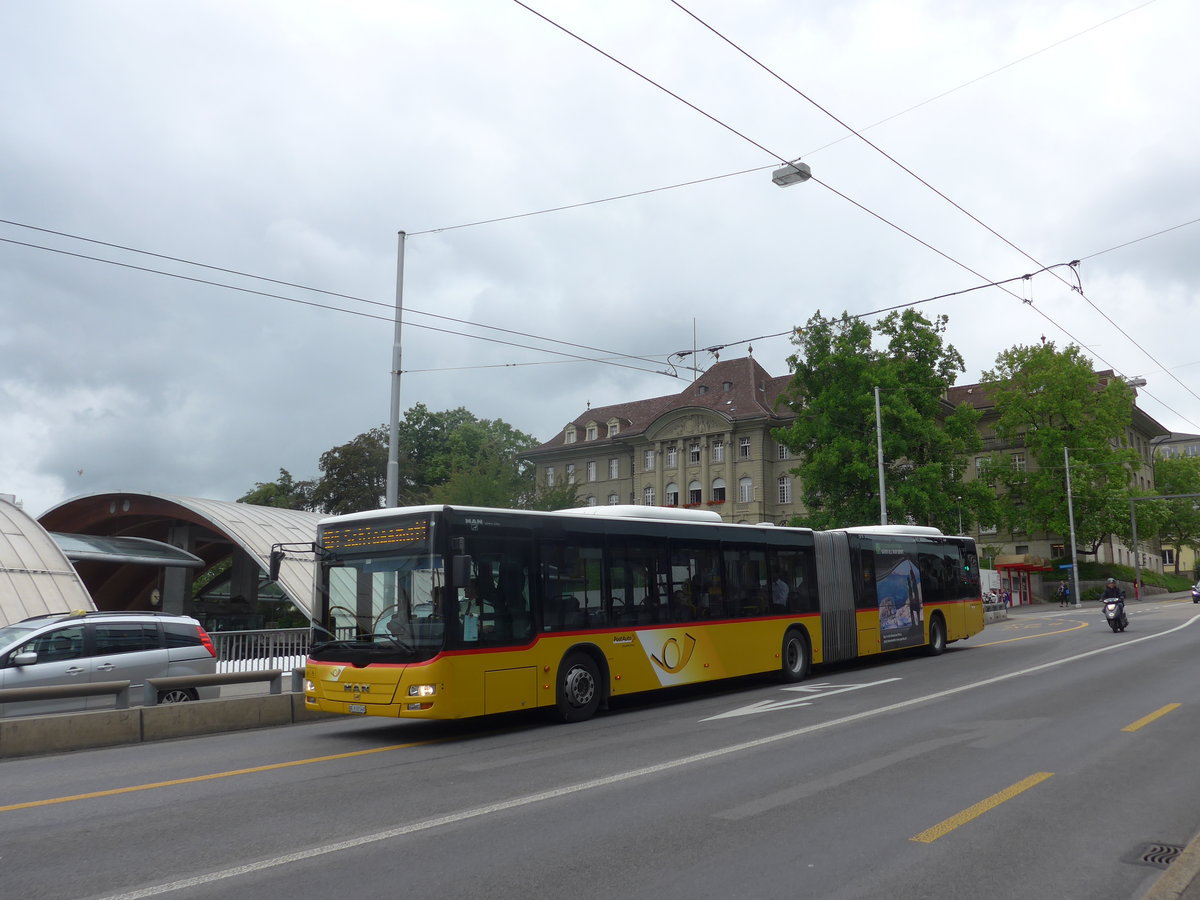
883	121
389	306
783	160
925	183
571	357
353	312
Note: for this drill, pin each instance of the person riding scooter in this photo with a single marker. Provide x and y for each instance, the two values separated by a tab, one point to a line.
1113	592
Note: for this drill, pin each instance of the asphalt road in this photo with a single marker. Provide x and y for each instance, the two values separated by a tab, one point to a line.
1041	759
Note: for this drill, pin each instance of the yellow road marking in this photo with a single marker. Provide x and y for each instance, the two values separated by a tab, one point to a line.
1030	637
215	775
929	835
1146	720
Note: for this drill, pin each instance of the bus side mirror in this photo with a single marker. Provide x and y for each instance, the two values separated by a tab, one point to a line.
460	569
273	570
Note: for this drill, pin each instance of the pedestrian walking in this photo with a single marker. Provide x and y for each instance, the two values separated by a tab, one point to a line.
1064	595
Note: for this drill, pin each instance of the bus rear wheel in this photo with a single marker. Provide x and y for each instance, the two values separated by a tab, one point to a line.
937	636
795	657
579	692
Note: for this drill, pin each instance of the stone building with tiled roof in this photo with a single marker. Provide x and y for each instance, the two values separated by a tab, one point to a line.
707	447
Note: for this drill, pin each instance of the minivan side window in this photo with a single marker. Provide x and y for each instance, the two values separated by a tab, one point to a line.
181	634
126	637
57	645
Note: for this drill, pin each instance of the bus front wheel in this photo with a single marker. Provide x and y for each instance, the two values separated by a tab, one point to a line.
795	656
578	688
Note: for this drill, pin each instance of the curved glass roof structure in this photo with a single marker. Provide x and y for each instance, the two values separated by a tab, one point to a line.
35	575
253	529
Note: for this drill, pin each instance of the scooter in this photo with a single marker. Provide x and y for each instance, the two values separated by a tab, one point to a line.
1114	612
1196	593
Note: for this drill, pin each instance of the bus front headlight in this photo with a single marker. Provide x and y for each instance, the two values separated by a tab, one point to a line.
421	690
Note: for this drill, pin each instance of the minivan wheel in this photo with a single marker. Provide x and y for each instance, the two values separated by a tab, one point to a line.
179	695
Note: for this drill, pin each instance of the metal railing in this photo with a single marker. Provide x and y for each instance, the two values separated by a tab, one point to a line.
250	651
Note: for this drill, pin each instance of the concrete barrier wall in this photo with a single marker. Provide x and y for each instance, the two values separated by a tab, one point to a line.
32	735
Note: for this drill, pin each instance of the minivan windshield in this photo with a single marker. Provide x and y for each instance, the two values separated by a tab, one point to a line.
11	635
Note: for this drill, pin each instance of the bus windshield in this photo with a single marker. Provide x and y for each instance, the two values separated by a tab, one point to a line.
383	608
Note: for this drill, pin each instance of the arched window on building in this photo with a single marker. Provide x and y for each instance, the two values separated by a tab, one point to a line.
648	495
671	495
694	492
718	491
745	490
785	489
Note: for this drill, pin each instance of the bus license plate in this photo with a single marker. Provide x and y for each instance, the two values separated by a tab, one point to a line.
358	708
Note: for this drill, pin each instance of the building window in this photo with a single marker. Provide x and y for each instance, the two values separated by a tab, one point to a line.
648	495
613	499
591	500
591	432
570	473
980	464
1168	556
647	460
745	490
1058	550
591	470
694	452
718	491
614	468
549	476
727	386
672	456
694	494
743	448
1018	462
570	435
718	450
784	452
614	428
671	494
1021	549
785	488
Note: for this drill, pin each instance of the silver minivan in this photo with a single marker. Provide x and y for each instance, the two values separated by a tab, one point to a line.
81	647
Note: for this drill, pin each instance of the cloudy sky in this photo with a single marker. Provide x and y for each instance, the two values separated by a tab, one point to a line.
292	140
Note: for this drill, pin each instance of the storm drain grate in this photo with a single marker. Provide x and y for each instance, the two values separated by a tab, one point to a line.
1157	855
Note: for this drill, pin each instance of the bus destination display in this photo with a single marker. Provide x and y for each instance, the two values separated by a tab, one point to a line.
407	536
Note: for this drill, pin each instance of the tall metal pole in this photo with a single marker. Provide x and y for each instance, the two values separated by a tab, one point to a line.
393	465
1137	556
1071	522
879	457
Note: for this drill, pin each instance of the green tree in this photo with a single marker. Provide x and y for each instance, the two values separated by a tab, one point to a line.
1046	399
1179	525
447	457
926	444
550	497
285	492
354	474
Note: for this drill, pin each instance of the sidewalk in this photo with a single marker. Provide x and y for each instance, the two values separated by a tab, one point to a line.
1181	880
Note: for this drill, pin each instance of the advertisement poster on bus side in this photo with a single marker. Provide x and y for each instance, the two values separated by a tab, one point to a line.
901	602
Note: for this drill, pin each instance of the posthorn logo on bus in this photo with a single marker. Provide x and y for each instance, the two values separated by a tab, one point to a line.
672	658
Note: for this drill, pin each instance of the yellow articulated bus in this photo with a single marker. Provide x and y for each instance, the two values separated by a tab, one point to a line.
446	612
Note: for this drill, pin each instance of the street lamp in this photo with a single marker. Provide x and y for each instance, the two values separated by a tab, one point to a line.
793	173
